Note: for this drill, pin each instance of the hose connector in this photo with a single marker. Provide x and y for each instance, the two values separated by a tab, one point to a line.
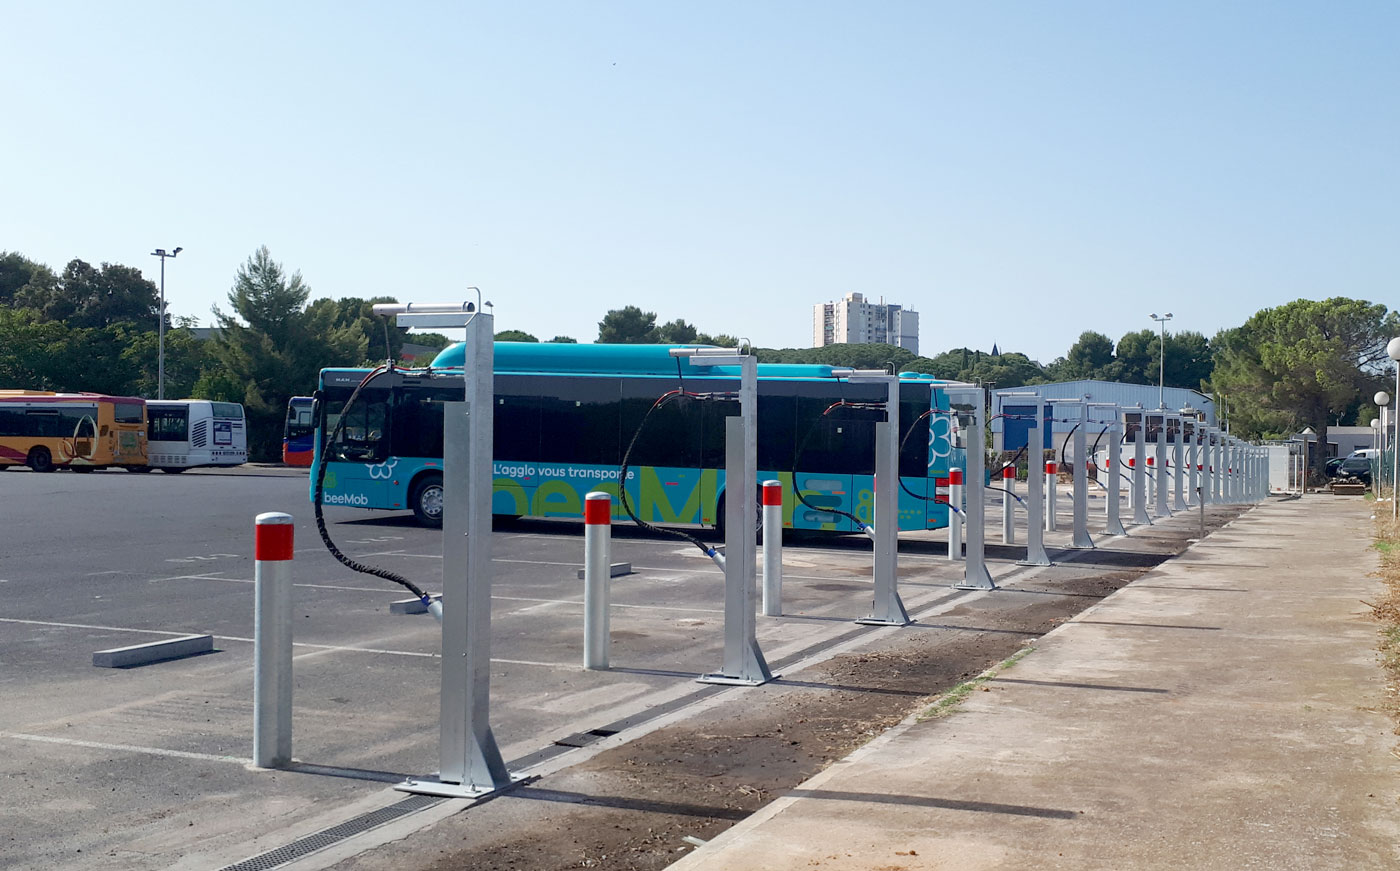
716	556
434	607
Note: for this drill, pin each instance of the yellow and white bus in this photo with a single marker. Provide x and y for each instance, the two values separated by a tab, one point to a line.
80	431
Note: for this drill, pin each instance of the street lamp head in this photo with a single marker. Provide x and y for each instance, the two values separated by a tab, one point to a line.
159	252
177	250
1381	398
1392	349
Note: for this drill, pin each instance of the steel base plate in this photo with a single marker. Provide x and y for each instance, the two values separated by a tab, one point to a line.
876	621
433	786
730	680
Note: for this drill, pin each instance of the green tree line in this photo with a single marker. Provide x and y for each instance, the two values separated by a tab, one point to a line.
1307	363
1304	363
96	328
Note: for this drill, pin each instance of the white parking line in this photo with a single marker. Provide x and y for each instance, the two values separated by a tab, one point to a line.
87	626
249	581
128	748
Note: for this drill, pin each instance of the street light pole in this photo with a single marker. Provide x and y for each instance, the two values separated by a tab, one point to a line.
160	365
1392	350
1162	364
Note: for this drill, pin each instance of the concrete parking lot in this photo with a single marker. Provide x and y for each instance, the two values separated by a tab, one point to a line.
149	767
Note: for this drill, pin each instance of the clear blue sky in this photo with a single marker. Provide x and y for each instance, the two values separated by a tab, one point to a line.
1016	172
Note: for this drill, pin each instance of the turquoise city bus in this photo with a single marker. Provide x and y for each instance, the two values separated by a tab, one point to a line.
566	415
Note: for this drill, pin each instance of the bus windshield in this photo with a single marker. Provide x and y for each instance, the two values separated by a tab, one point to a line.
298	432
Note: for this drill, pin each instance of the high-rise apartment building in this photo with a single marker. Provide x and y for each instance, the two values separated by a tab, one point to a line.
852	320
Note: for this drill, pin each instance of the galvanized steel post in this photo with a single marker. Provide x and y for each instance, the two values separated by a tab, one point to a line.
1113	521
1178	432
772	548
888	608
975	574
597	578
1162	509
1080	536
272	640
1138	418
743	660
955	513
1008	500
1035	533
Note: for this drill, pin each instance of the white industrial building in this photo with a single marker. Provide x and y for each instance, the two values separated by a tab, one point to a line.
1149	396
855	321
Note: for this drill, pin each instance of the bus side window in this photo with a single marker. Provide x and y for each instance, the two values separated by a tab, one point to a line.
580	420
671	436
417	421
914	455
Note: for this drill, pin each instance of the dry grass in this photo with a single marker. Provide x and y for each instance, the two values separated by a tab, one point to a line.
1387	609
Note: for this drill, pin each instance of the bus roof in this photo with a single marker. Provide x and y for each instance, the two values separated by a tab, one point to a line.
580	359
50	396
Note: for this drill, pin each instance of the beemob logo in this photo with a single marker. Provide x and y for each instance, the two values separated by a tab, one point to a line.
346	499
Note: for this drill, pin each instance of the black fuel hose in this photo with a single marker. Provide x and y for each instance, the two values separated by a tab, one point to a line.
661	400
320	490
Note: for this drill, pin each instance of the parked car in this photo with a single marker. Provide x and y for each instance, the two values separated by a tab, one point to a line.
1355	467
1330	470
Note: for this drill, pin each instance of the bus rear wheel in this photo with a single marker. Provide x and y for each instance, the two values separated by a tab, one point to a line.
40	460
426	499
757	524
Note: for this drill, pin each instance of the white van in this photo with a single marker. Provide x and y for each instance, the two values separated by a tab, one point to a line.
1365	454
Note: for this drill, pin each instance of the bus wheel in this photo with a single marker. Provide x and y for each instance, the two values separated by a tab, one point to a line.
40	460
426	499
757	524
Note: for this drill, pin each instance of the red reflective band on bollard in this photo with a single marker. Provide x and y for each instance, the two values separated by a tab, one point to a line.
955	477
1008	472
772	494
597	512
1050	468
272	542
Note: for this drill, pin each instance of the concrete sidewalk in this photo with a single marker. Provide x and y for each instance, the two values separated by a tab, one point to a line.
1223	711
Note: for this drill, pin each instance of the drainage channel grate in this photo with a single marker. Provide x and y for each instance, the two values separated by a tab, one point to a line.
326	837
583	739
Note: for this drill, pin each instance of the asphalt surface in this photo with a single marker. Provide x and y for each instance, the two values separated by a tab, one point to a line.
149	767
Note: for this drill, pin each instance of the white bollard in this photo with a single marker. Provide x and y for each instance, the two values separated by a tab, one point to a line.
772	498
272	640
1052	475
597	578
955	517
1008	508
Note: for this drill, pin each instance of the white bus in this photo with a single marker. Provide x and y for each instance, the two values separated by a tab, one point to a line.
187	433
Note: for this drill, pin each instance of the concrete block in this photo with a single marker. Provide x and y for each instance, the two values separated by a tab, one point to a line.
154	651
411	606
618	570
